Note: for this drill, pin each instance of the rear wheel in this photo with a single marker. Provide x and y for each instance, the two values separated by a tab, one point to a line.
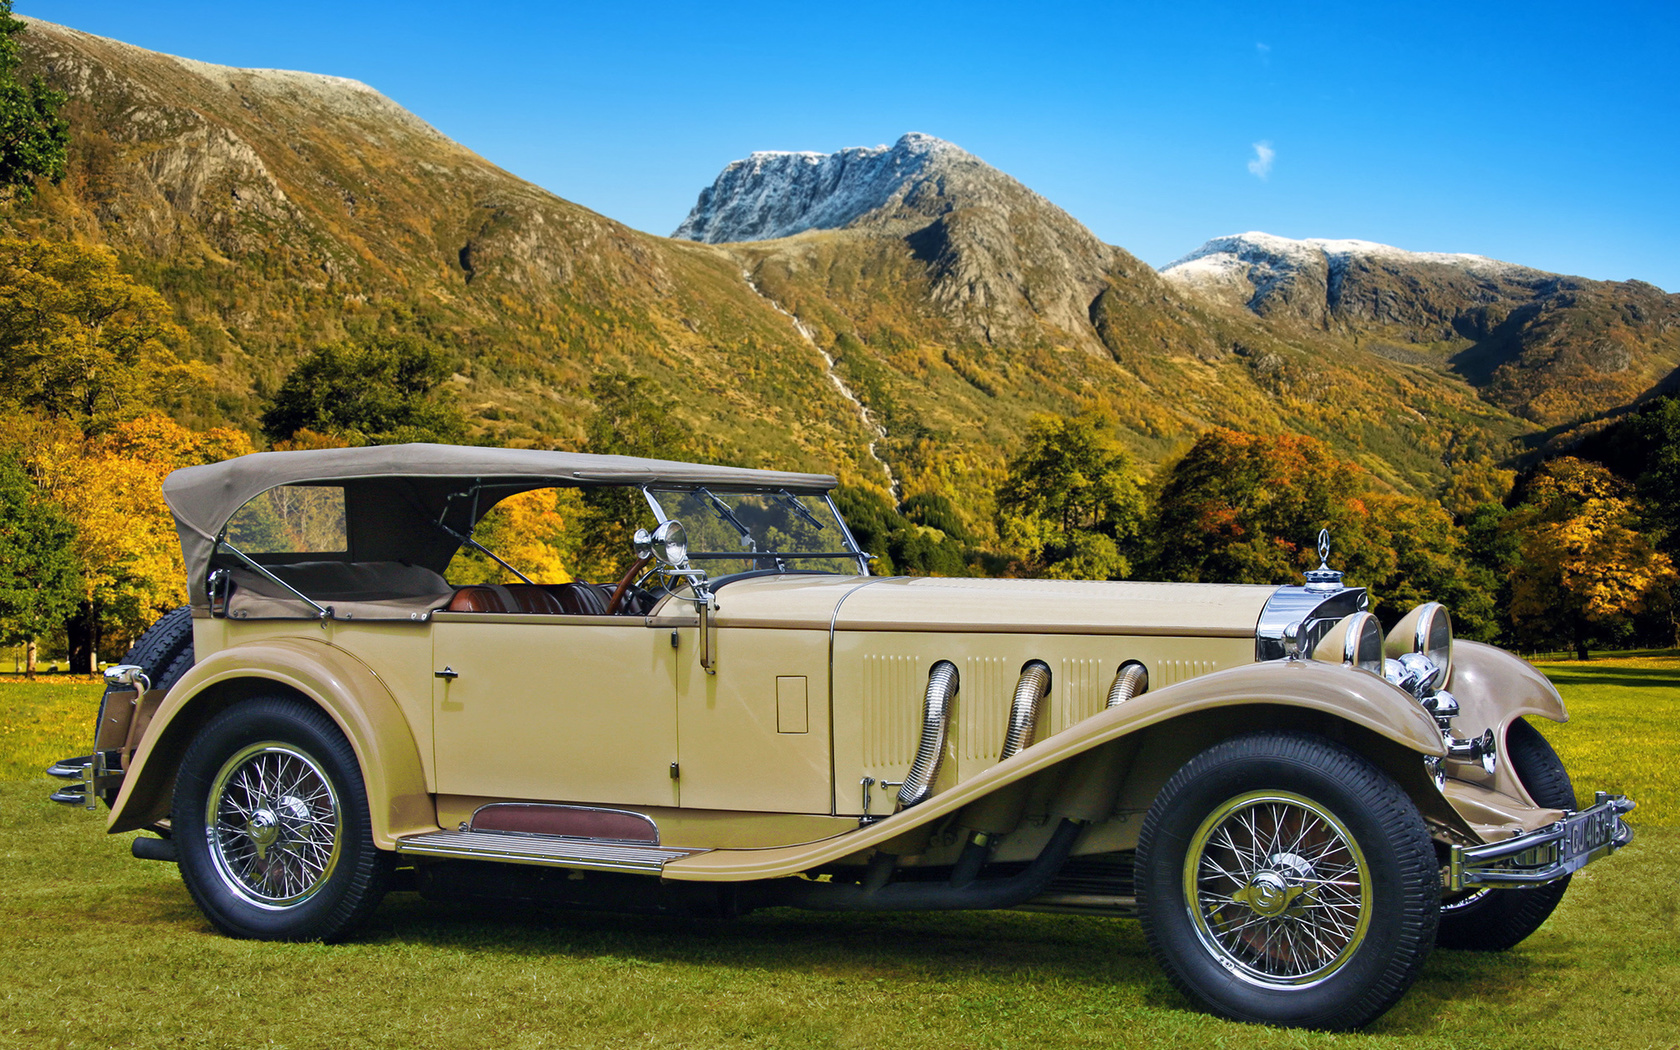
271	821
1283	879
1498	920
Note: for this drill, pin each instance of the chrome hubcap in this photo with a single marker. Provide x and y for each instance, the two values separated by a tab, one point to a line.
1278	889
274	825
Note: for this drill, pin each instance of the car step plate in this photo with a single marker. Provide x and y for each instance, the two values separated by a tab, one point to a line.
548	850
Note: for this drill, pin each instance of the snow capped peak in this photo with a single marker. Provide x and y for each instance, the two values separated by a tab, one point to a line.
778	193
1261	259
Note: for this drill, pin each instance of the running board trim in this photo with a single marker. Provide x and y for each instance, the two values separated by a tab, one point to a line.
545	850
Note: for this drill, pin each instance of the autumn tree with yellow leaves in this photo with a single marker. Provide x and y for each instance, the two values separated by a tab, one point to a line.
81	340
1583	569
110	485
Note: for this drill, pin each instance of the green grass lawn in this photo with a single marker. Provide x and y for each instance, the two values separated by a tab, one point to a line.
100	950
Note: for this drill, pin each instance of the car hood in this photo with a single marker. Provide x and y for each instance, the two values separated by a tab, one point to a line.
907	603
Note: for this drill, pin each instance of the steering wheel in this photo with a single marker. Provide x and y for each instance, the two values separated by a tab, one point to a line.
623	587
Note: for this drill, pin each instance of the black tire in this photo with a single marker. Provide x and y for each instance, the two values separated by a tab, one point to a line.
1499	920
327	875
1234	936
160	650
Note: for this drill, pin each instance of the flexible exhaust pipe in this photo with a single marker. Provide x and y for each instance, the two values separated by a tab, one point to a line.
1023	713
1131	680
936	717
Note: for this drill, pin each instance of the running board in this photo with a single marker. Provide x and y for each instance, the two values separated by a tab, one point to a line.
552	851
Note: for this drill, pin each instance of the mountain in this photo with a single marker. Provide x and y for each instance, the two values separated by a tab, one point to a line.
1549	348
894	314
278	210
1000	260
957	302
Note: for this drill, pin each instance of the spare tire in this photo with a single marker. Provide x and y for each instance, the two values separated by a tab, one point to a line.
165	650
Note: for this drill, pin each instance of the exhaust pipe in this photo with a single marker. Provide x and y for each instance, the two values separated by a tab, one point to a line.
936	717
1023	713
1131	680
930	896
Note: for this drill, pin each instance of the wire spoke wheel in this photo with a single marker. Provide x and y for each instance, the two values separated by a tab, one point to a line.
1278	888
274	825
1283	878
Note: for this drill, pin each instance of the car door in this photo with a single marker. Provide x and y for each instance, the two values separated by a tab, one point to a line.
754	735
557	708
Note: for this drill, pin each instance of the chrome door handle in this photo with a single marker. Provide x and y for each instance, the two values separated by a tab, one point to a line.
448	673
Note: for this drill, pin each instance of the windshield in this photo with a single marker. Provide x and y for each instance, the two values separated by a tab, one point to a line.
731	532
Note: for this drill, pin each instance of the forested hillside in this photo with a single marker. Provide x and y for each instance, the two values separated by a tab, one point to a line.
228	259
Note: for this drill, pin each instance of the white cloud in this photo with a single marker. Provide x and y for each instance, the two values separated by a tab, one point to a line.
1261	165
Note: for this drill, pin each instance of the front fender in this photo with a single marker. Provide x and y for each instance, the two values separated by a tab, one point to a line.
344	687
1344	693
1493	689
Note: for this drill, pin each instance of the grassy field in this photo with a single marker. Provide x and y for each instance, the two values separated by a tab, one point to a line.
100	950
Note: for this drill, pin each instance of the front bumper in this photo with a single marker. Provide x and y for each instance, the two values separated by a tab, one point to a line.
1544	855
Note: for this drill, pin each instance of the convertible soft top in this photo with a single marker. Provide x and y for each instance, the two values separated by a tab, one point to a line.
395	494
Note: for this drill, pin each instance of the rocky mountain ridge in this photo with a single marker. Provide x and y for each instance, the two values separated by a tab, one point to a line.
277	211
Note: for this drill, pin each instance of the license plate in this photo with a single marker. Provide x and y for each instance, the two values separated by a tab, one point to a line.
1587	832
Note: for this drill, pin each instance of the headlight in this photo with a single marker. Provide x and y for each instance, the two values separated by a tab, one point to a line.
670	542
1426	631
1355	640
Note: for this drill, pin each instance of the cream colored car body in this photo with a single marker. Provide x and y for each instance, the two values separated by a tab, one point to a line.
768	764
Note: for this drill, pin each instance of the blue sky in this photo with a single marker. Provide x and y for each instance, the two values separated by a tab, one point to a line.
1541	133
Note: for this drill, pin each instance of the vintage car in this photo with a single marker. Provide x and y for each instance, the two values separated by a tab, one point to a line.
1297	806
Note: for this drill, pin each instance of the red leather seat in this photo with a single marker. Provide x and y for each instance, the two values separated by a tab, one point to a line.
477	600
513	598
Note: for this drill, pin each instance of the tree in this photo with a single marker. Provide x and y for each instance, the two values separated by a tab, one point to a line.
1242	508
387	391
633	417
34	139
110	485
38	563
1072	499
1583	569
80	339
528	530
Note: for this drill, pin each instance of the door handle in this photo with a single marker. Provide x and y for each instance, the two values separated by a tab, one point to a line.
448	673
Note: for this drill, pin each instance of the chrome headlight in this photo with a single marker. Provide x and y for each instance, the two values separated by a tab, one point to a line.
1356	640
670	542
1426	633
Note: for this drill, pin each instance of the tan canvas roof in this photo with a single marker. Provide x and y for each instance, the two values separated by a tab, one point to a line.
395	492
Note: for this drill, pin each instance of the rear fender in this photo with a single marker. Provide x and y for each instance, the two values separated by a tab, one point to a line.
314	671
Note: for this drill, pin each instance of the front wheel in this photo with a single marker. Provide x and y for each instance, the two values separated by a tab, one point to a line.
1283	879
272	823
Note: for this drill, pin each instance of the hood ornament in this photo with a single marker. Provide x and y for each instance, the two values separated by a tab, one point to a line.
1323	578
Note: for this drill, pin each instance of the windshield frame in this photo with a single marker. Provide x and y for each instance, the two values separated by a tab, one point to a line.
853	550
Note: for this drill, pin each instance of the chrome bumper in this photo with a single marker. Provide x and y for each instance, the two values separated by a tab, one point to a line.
1547	854
93	775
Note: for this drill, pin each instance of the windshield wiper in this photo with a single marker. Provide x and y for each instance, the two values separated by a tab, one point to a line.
799	508
722	508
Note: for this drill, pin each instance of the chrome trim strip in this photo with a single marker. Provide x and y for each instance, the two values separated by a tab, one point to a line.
1104	629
